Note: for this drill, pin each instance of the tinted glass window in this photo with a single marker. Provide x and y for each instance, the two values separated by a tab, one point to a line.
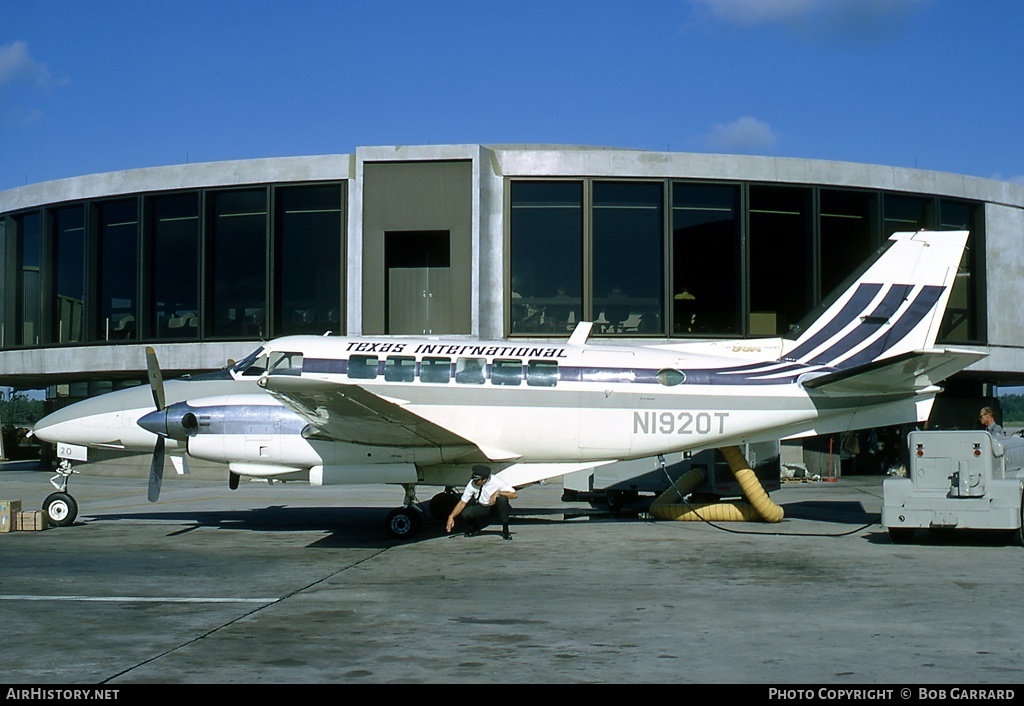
69	240
238	243
705	259
906	213
285	363
507	372
628	257
309	236
542	373
436	370
118	270
470	370
399	368
174	308
960	322
362	367
29	252
546	252
849	235
781	256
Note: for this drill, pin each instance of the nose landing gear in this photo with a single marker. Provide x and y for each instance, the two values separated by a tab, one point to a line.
60	508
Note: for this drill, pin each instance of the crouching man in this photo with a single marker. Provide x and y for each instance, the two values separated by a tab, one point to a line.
486	495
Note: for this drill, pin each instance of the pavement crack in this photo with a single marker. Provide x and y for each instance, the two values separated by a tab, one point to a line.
237	618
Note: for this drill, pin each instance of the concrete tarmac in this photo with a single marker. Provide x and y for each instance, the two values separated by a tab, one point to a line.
286	583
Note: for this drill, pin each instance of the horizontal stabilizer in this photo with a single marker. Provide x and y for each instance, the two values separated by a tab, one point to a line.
905	374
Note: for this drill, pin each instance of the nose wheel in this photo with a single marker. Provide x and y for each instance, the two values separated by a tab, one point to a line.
60	508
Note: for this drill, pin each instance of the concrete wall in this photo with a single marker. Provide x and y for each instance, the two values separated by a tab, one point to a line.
491	165
182	176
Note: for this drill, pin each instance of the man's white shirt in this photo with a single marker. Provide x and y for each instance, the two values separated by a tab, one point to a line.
491	487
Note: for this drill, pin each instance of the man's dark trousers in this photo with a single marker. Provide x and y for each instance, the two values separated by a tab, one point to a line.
500	508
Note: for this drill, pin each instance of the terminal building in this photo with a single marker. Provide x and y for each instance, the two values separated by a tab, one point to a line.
203	261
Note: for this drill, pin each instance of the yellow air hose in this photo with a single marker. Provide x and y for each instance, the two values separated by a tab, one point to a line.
759	505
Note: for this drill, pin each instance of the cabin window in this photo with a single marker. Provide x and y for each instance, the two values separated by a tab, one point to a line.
400	368
284	363
470	370
362	367
542	373
436	370
506	372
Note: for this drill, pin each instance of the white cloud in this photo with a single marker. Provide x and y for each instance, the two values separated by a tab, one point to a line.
752	12
857	20
16	64
746	134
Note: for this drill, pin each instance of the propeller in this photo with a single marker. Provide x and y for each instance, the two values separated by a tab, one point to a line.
156	384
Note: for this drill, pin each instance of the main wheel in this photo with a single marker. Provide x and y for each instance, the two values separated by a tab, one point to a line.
442	504
403	522
61	509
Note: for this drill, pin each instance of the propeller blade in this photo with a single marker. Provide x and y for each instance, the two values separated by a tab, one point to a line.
156	470
156	378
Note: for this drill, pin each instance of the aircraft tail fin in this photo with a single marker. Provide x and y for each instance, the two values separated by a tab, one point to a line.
893	308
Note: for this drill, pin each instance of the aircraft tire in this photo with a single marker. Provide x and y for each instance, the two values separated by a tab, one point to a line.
442	504
404	523
615	499
61	509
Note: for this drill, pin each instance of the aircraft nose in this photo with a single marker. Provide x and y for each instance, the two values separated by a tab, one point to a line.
72	424
94	421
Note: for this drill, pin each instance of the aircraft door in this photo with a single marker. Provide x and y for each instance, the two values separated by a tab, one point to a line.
606	411
419	282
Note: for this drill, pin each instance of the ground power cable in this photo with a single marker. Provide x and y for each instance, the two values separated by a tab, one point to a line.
683	500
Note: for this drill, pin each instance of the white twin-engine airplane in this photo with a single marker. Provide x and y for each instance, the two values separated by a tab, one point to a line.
413	411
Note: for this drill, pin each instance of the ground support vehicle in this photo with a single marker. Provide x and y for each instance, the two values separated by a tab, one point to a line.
957	480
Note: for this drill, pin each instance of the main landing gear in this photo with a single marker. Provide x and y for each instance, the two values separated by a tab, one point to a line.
60	508
406	522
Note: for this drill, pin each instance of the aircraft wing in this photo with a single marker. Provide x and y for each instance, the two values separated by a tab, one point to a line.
352	414
904	374
520	474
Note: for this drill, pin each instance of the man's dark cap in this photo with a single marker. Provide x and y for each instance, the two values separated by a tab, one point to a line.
481	471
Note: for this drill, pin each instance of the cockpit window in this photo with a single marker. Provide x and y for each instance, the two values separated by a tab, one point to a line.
285	363
252	365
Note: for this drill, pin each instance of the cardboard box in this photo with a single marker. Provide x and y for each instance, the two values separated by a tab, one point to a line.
32	521
9	510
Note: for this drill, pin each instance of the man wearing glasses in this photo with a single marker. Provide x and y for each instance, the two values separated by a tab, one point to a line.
987	417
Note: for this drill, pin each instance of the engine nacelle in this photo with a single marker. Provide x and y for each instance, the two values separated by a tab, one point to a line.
178	421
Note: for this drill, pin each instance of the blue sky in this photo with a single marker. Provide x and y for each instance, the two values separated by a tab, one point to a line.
106	85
